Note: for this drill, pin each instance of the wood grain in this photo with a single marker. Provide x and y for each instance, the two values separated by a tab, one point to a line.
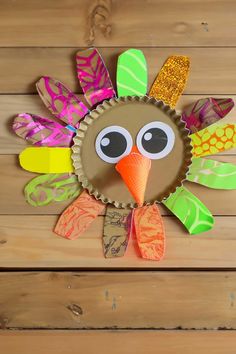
213	70
11	105
102	23
118	300
139	342
28	241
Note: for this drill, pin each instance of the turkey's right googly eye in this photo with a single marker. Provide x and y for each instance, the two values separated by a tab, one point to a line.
112	143
155	140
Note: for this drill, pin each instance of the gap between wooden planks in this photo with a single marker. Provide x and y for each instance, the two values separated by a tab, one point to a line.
213	70
127	342
28	242
117	23
118	300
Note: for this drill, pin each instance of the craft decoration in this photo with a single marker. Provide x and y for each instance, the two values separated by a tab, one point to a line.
78	216
171	80
130	153
205	112
212	174
214	139
157	152
44	189
132	73
60	101
46	160
116	232
41	131
93	76
191	212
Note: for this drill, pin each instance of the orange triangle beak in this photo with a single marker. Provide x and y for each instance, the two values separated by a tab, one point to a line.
134	170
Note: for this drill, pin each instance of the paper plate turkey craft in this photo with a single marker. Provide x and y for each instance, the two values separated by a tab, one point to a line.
127	154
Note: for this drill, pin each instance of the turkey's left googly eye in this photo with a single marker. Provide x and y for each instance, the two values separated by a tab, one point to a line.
112	143
155	140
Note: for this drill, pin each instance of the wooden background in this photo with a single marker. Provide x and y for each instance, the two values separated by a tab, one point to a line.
62	296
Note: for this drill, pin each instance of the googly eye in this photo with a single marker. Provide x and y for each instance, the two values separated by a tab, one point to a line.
112	143
155	140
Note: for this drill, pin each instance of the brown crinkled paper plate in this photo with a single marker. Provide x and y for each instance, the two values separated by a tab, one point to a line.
101	179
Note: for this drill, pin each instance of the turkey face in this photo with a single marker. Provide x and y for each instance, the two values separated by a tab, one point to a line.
132	150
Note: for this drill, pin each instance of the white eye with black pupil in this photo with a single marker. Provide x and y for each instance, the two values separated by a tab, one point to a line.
113	143
155	140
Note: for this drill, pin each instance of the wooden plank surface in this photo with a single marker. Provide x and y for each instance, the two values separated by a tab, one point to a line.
213	70
28	241
170	300
139	342
102	22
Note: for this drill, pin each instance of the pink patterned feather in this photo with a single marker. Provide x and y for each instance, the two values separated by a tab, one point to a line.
62	102
206	111
41	131
93	76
